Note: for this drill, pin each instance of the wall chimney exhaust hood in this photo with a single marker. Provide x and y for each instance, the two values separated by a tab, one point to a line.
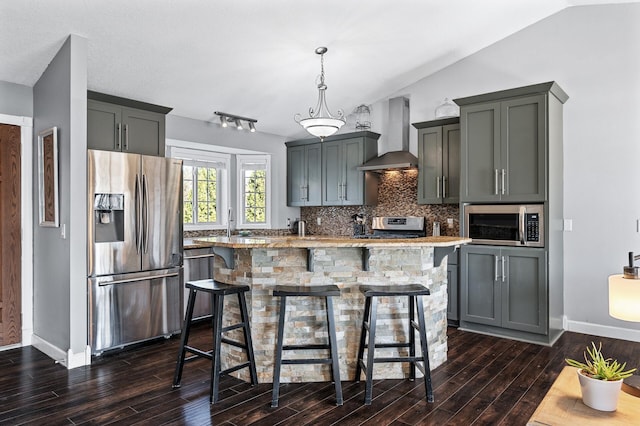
398	136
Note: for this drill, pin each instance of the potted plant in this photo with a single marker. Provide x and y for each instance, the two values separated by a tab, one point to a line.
600	378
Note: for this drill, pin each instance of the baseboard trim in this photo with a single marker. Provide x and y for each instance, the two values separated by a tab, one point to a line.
49	349
603	330
68	358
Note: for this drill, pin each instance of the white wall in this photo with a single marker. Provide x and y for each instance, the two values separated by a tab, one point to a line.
59	261
593	52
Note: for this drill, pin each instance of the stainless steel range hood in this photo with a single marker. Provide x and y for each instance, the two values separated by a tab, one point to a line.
397	136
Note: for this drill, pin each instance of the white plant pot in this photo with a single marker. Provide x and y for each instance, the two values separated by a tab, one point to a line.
599	394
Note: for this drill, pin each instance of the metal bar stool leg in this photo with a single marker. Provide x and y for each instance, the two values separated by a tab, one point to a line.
247	338
363	337
371	351
278	362
217	343
184	339
333	347
425	351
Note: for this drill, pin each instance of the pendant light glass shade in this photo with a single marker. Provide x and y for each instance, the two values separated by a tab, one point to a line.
321	122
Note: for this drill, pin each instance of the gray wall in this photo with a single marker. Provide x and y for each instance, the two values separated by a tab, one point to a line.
592	52
16	99
188	130
59	292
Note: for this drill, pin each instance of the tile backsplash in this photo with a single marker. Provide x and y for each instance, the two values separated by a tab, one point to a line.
397	196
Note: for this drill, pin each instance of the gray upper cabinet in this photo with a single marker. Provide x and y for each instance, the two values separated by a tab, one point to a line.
342	183
113	126
439	161
504	143
304	175
504	287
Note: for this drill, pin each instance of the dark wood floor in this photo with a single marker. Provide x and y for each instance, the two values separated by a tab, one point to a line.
486	381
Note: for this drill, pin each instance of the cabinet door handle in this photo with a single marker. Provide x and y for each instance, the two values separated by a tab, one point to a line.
438	187
503	274
301	192
495	268
126	137
496	181
119	136
339	191
344	191
444	187
504	172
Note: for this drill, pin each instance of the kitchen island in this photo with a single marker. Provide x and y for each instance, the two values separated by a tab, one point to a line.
264	262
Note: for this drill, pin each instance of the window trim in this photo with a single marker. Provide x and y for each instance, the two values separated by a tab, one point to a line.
241	159
199	157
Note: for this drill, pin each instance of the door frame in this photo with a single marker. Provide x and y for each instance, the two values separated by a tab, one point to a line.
26	191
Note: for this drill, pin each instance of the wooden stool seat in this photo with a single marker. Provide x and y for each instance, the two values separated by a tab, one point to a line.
217	290
414	292
326	291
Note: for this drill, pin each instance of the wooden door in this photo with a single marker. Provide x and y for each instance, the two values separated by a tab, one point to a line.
10	244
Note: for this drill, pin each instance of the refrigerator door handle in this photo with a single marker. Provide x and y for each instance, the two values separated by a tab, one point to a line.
133	280
145	214
138	214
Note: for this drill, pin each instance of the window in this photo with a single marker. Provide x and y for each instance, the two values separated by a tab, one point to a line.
254	180
205	187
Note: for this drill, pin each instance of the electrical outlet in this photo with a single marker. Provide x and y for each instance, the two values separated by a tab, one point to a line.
319	221
449	222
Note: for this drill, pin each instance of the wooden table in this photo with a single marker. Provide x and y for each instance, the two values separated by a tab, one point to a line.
563	405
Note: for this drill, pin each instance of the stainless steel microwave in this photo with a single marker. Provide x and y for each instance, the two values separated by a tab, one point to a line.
520	225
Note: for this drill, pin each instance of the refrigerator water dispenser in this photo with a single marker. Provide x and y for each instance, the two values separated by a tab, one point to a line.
108	210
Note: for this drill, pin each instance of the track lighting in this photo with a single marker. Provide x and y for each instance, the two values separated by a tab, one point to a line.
236	120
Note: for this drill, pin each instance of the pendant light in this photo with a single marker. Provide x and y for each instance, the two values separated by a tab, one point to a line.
321	122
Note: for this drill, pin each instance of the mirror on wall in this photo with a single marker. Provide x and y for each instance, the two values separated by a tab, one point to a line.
48	176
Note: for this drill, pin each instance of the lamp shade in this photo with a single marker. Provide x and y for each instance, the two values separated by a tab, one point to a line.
624	298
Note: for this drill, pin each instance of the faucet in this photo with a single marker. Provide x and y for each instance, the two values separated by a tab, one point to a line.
229	223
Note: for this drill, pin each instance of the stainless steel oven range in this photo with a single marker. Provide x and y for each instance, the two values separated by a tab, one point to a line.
396	227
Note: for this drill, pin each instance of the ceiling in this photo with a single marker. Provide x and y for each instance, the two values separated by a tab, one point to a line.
255	58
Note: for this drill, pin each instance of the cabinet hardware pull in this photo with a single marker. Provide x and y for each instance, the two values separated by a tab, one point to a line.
444	187
495	268
503	274
438	187
339	191
119	137
126	137
344	191
503	185
496	181
199	256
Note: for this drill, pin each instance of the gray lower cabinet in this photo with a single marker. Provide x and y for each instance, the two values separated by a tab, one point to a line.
452	289
505	139
113	127
304	175
504	288
439	161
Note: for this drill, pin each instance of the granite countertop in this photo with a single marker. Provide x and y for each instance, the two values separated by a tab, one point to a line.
320	241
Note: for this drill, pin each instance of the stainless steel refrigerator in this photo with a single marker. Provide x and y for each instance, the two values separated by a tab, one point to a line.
134	248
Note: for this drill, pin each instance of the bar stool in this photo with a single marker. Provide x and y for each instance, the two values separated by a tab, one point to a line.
326	291
414	293
217	290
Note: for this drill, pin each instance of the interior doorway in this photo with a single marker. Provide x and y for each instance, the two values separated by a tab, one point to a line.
10	235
